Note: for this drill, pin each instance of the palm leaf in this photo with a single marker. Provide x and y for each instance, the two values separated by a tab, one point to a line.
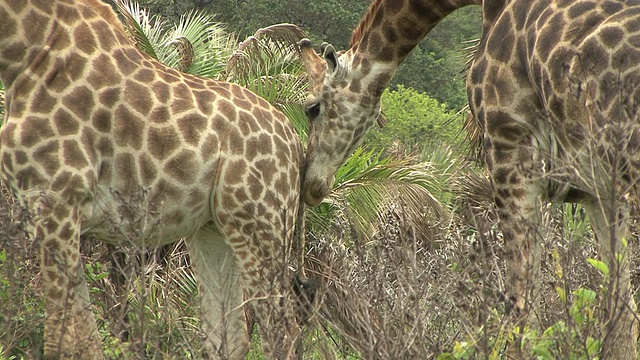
369	187
211	45
268	64
146	32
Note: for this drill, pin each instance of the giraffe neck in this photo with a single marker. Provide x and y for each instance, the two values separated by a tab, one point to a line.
392	28
35	32
388	33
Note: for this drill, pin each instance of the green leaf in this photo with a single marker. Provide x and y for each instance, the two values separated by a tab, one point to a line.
562	294
600	265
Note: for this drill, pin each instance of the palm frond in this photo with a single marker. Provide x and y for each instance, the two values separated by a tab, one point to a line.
146	32
370	188
211	44
268	64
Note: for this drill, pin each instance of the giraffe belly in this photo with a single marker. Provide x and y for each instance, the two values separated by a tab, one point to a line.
141	223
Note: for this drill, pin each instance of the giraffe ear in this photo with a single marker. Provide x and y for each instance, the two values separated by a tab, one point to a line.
329	54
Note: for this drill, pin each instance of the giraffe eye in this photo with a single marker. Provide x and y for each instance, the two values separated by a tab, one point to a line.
313	110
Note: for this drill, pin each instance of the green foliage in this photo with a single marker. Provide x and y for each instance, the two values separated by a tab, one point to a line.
195	44
414	118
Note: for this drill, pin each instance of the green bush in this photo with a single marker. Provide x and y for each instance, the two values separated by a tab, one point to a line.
414	119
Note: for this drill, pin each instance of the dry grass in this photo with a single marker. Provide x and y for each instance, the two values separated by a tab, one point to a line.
395	297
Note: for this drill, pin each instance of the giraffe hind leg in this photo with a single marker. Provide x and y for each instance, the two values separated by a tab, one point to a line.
221	292
620	322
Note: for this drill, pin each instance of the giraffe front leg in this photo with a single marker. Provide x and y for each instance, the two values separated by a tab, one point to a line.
221	292
70	328
610	225
518	194
264	261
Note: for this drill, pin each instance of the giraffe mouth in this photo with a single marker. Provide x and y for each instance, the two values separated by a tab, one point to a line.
314	192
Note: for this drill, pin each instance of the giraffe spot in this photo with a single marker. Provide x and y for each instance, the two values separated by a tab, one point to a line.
138	97
73	155
125	167
53	293
256	186
501	42
145	75
35	129
148	170
103	73
196	197
228	111
51	226
79	102
65	123
248	122
159	114
209	147
258	145
373	44
183	167
109	97
28	177
241	194
12	53
194	83
234	172
593	56
204	101
234	142
161	91
105	35
8	26
43	102
124	60
179	106
60	182
550	35
84	39
101	120
162	142
580	8
169	75
610	7
164	191
191	127
128	128
626	58
17	6
21	157
67	231
35	25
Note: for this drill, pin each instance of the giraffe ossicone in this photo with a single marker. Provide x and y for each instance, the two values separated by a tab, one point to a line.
555	86
91	123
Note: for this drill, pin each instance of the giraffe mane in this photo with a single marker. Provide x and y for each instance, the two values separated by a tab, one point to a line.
366	21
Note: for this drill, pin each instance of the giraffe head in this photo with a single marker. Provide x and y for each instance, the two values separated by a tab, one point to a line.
343	103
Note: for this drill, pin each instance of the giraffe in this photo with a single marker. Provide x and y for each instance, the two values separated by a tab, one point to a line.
91	122
554	87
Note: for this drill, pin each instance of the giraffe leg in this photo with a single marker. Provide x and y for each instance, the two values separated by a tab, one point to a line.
70	327
264	260
609	224
221	291
518	194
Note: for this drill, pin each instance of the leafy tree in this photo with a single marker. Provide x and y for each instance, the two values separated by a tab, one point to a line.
414	119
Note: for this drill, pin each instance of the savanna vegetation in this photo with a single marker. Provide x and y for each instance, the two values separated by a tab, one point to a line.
404	255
